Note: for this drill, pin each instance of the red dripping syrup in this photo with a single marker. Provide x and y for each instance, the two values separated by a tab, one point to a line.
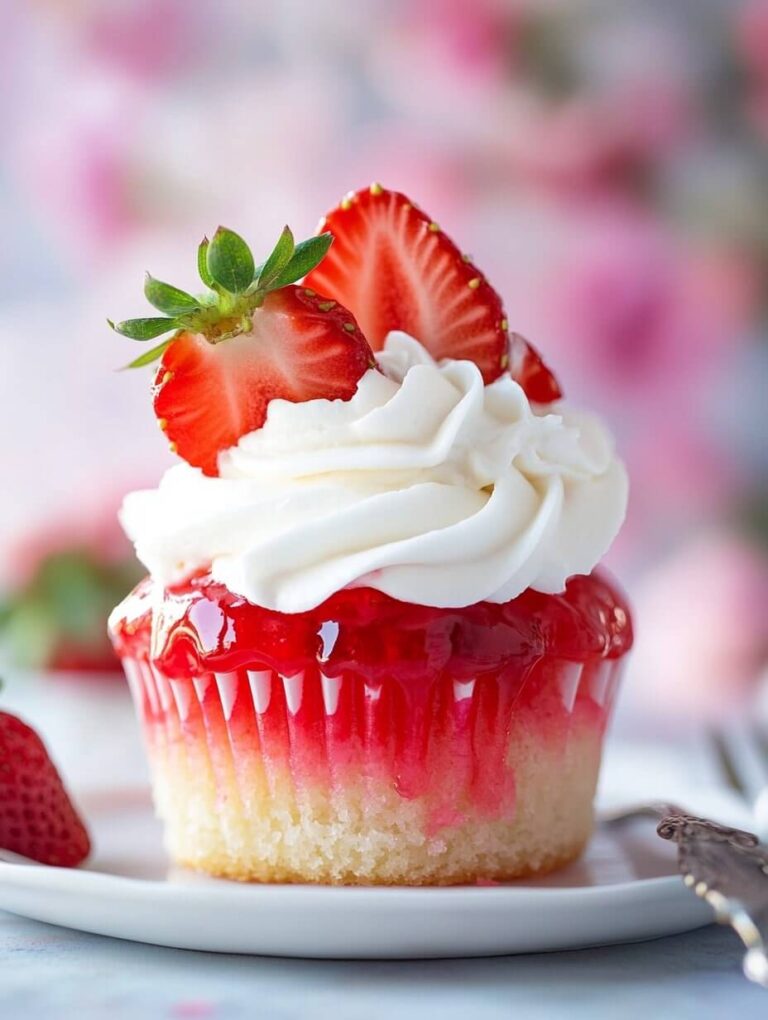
201	626
424	698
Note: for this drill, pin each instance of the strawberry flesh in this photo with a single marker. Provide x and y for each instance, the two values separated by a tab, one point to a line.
395	269
37	818
526	366
302	347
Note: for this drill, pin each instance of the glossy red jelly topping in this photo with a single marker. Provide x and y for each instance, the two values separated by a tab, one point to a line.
203	627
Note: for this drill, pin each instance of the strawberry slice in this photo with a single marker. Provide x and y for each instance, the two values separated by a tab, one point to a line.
394	268
37	818
300	347
527	367
252	337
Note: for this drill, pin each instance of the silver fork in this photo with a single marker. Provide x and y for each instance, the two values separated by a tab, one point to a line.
727	867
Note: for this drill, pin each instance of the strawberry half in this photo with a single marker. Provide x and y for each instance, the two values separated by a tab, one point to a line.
394	268
300	347
37	818
253	338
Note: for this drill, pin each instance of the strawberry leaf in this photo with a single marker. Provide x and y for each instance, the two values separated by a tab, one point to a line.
143	329
278	260
202	263
305	257
166	298
229	261
149	356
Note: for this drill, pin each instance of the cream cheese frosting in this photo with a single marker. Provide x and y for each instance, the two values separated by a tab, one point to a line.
427	485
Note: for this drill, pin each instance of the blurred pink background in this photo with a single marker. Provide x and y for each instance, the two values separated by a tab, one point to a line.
604	162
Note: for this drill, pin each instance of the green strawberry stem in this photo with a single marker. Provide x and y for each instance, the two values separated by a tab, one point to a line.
236	288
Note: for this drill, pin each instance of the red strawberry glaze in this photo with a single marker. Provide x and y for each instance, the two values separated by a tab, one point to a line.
421	697
201	626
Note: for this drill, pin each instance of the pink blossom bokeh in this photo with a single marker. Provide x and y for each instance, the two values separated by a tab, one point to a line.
702	644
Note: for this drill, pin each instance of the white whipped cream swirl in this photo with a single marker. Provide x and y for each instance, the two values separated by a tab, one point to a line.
427	485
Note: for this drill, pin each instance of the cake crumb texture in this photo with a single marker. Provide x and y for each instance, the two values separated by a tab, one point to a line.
365	832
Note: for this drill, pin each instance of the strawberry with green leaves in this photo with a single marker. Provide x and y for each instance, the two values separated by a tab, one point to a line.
255	336
252	337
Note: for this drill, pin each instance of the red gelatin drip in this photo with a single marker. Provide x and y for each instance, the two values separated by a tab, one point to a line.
203	627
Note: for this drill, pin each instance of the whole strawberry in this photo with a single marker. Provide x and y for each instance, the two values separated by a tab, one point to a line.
37	818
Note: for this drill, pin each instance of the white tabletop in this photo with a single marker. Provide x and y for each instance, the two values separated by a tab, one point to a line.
55	974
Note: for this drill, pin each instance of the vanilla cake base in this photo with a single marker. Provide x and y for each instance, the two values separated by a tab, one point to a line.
268	784
368	834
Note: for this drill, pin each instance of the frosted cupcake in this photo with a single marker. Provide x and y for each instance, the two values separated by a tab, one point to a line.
372	646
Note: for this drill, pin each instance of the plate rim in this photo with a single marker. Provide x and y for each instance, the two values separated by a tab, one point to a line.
210	885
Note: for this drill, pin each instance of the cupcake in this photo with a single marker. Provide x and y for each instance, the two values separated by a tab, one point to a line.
373	646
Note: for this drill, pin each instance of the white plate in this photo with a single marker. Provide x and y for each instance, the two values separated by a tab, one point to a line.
625	888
